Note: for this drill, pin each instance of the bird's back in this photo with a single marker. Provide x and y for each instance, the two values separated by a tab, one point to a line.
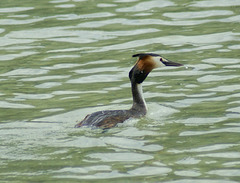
106	119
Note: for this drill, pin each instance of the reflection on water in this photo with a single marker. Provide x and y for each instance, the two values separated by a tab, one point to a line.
62	59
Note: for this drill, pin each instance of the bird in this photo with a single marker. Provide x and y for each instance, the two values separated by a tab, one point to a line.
106	119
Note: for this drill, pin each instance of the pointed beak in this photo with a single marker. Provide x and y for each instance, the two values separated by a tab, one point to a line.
170	63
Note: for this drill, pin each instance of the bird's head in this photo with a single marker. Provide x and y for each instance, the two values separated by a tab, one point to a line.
146	63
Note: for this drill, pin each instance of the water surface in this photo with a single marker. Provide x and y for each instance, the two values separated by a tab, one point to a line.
62	59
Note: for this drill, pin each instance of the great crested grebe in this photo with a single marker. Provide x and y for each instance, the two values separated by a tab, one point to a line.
109	118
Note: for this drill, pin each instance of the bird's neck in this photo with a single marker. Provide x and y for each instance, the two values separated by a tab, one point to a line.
139	104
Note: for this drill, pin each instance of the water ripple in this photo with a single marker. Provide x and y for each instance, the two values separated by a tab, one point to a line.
122	157
226	172
204	149
175	40
223	130
212	3
142	171
15	9
8	57
200	14
19	22
26	72
86	16
4	104
143	6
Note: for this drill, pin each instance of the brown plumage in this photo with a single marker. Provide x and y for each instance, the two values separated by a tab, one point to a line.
146	63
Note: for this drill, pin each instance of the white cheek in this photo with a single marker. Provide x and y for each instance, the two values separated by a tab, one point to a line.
157	62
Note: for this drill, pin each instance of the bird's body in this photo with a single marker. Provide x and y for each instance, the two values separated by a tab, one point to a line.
109	118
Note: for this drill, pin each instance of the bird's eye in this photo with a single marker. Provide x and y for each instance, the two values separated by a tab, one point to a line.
161	59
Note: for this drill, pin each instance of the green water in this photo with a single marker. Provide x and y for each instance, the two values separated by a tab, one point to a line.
61	60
